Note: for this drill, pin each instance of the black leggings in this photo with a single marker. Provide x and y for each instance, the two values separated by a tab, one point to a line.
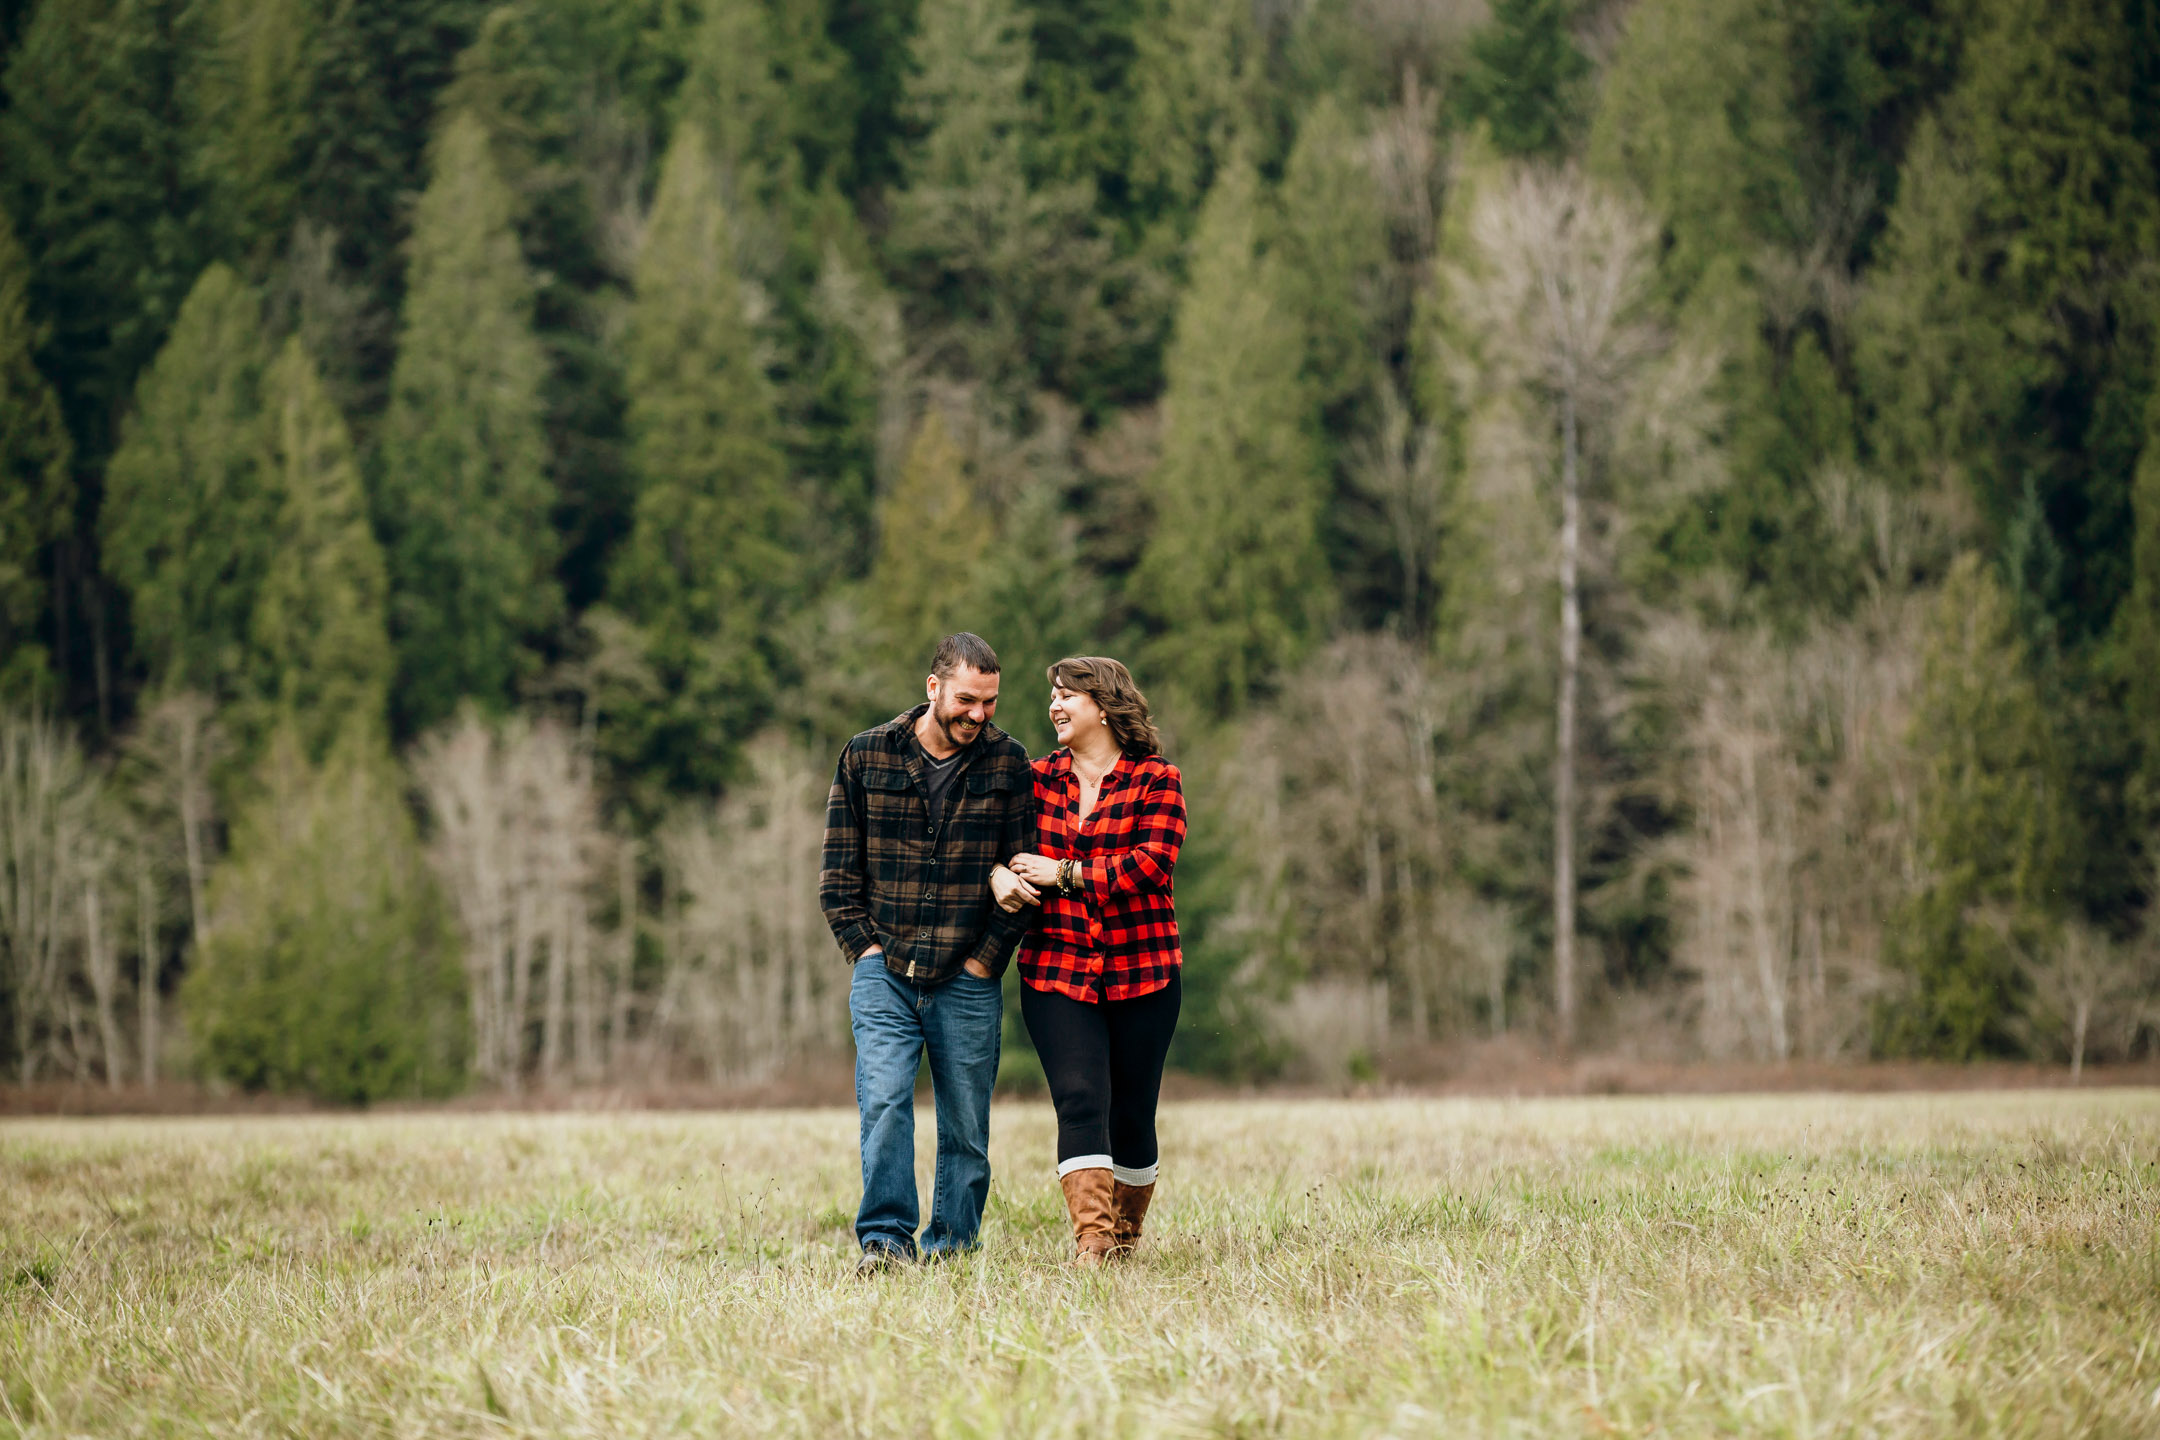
1104	1063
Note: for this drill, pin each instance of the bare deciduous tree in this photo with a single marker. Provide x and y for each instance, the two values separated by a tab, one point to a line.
100	962
1795	770
518	843
1356	756
1555	288
753	982
2078	976
48	798
177	744
148	1017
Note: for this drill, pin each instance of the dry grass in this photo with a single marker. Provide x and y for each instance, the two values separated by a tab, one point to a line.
1915	1265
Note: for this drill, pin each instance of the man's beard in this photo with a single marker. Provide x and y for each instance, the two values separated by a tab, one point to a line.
947	722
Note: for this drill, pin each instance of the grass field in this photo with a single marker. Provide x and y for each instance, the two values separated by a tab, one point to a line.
1983	1264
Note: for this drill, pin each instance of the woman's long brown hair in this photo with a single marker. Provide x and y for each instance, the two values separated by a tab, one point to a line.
1110	685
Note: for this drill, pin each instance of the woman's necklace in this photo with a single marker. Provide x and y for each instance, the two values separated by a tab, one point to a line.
1090	785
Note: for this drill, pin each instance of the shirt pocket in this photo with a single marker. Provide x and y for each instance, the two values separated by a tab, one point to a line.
887	796
988	793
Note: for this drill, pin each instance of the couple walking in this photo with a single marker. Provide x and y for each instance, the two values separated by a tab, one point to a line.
944	847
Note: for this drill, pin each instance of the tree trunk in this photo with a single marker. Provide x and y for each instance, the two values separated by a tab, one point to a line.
554	1005
584	1026
519	1006
1564	756
620	992
146	984
191	823
103	981
2079	1021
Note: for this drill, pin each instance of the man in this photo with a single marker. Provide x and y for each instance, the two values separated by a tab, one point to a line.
921	810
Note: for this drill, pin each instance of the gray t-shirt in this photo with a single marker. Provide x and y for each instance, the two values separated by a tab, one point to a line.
937	778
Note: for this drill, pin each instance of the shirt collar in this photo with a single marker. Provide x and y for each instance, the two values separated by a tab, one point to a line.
1061	764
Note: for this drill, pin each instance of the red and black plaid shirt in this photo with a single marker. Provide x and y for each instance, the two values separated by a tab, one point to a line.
1118	937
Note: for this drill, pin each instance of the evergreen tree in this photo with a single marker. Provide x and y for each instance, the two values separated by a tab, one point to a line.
1523	75
1334	257
873	35
374	74
570	92
187	509
2140	619
1994	826
932	536
1005	277
1193	67
331	967
247	96
465	493
2002	340
1231	573
36	489
766	83
706	569
1038	603
304	111
1079	79
320	657
1697	116
91	168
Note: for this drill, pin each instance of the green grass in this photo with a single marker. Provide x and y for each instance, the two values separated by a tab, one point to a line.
1982	1264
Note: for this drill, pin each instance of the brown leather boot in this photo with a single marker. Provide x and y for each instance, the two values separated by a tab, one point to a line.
1128	1205
1087	1200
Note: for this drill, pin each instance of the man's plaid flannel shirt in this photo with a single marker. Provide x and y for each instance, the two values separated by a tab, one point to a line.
1118	937
890	877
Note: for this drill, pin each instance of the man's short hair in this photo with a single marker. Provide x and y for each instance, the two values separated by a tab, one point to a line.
964	648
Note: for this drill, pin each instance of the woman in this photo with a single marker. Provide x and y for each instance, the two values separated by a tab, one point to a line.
1099	970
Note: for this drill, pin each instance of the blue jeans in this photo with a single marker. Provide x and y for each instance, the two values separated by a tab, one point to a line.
895	1022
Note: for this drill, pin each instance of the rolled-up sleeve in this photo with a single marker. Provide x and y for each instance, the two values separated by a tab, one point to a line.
1158	833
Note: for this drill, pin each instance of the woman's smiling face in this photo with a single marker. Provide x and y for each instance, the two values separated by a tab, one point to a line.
1073	712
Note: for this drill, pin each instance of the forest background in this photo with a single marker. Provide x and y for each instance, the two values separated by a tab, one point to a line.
1642	517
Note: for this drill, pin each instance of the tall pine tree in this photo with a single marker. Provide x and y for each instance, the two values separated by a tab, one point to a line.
706	568
1334	256
1523	76
331	968
1998	842
2140	618
465	497
2005	340
247	95
932	536
36	489
92	168
1232	573
769	87
320	660
1005	277
186	520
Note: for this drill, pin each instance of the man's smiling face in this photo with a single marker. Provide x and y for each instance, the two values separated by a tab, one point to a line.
962	703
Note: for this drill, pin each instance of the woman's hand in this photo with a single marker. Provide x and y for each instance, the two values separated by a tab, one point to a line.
1010	891
1039	871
